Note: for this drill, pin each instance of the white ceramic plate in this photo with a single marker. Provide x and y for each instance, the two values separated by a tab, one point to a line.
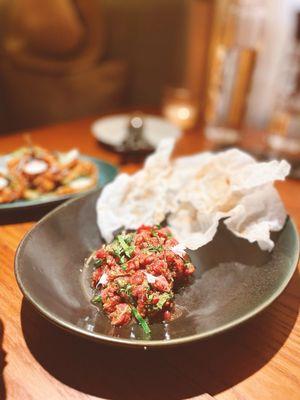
112	130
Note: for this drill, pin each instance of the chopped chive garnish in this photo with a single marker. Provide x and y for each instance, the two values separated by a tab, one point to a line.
98	262
163	298
154	233
150	296
126	289
127	249
123	259
155	249
97	299
141	320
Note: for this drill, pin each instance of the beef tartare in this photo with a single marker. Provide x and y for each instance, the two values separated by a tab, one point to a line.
135	276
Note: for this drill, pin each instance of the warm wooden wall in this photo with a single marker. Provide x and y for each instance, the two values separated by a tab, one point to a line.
141	47
200	30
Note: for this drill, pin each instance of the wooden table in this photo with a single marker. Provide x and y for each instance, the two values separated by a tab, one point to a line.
259	360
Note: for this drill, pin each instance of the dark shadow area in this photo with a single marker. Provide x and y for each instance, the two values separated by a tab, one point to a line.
127	157
226	247
2	363
22	214
209	366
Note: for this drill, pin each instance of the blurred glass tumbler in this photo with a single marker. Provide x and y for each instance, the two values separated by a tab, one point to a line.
180	108
284	131
232	70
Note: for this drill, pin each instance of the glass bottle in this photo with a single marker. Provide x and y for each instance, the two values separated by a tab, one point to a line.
284	130
232	70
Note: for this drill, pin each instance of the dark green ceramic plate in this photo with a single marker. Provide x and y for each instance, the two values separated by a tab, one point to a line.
106	173
234	279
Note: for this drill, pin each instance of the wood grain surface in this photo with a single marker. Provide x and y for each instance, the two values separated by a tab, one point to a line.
257	361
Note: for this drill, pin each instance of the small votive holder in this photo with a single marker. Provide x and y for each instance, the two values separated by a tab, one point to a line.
180	108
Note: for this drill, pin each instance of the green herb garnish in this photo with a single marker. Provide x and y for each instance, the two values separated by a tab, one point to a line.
127	289
163	298
116	249
155	249
128	238
141	320
154	233
124	286
121	282
128	249
150	296
98	262
97	299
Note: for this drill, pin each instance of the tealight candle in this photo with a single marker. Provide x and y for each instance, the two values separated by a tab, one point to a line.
180	109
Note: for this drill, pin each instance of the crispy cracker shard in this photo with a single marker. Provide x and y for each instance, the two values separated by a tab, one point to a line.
132	200
194	193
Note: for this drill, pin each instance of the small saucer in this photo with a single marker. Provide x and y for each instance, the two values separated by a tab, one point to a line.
111	131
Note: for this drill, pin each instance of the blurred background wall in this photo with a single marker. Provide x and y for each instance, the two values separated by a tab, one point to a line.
150	36
66	59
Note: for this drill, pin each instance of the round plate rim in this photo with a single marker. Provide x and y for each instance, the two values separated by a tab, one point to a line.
145	343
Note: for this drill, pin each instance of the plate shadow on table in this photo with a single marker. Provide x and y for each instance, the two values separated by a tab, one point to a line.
18	216
2	363
210	366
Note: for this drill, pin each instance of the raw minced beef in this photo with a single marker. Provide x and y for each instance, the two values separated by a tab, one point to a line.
135	276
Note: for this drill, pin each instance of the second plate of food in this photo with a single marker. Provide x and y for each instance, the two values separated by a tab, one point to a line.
35	179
